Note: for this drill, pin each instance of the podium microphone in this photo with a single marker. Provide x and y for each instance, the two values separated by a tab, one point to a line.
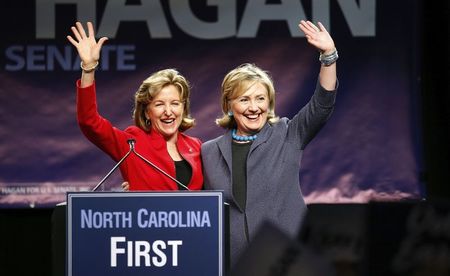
131	143
157	168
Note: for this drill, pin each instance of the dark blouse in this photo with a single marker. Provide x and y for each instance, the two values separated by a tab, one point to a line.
239	170
183	173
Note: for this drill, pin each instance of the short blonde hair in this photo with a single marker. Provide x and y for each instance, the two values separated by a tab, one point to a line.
151	87
236	83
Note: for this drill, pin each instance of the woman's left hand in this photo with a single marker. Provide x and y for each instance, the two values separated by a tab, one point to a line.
318	36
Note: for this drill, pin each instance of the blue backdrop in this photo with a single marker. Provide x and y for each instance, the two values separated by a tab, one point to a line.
369	150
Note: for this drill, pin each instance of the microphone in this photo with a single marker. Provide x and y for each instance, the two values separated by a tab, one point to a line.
156	167
131	144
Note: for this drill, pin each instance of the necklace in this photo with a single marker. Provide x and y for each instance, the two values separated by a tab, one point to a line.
242	138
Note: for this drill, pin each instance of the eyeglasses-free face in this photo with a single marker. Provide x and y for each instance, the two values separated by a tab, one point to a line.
250	109
165	111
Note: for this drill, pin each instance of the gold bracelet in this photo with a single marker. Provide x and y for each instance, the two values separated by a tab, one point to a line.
88	70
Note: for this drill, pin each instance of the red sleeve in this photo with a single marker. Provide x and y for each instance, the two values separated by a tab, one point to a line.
96	128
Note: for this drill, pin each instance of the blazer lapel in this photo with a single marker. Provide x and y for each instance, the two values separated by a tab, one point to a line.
263	136
224	144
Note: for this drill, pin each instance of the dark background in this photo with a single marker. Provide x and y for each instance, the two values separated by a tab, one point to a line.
436	98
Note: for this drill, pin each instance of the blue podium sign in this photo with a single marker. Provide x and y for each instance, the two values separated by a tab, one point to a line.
145	233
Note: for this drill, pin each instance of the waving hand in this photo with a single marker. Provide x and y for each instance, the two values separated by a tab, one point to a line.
88	50
321	39
317	36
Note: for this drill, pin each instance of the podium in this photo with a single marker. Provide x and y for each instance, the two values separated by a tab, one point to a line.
140	233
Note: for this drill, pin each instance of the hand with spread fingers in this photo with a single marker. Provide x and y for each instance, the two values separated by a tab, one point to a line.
88	50
317	36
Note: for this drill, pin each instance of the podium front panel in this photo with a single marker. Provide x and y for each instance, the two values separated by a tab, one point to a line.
145	233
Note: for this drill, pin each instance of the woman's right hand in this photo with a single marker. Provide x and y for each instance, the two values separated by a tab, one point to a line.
125	186
88	48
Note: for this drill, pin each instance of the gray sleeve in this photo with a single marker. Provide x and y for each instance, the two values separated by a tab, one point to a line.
311	118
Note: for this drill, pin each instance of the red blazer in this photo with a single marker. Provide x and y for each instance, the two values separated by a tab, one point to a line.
150	145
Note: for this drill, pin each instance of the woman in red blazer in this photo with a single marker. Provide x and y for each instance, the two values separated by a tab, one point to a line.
161	114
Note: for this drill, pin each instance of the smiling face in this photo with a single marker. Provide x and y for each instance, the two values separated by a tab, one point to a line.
256	104
250	109
165	111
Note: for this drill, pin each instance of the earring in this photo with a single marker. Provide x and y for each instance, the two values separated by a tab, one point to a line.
147	121
230	114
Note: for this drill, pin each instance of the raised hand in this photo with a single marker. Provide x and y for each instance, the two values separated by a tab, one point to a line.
317	36
88	48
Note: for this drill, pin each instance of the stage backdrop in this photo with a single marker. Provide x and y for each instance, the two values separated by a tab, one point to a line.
369	149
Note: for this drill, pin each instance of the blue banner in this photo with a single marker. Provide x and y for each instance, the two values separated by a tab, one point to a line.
171	233
370	149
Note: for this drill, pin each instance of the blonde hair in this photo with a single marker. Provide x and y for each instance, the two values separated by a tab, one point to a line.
236	83
150	88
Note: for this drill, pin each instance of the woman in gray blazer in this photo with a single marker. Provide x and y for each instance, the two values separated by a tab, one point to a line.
256	162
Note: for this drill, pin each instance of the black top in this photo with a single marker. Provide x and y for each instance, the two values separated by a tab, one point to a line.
183	173
239	169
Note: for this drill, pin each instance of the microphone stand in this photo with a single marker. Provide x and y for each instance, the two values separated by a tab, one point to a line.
131	143
157	168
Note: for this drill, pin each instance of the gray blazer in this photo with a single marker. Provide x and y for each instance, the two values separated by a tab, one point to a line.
273	163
